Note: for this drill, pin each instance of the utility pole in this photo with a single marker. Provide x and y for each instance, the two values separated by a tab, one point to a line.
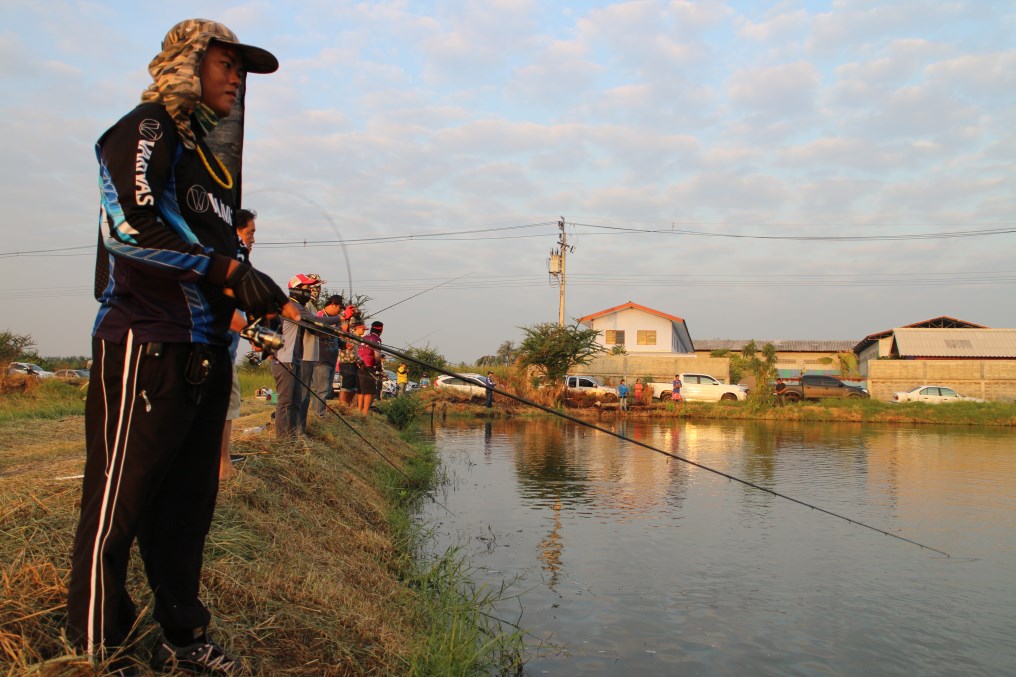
557	267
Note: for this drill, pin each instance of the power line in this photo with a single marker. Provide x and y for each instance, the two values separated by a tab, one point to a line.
410	285
455	235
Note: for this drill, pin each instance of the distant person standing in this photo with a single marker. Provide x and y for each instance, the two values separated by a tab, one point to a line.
622	395
369	354
425	381
675	389
402	378
638	390
288	362
489	383
328	354
349	371
245	229
311	350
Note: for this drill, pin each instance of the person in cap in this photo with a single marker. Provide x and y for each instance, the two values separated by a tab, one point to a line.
287	363
309	355
489	383
168	281
348	363
328	354
370	366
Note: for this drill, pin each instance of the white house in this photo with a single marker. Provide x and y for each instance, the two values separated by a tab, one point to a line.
640	329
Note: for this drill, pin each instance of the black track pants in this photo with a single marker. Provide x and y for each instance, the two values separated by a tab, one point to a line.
151	472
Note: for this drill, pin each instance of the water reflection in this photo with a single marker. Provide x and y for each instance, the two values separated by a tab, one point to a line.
642	564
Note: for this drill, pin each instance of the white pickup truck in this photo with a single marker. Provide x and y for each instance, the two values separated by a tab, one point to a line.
700	388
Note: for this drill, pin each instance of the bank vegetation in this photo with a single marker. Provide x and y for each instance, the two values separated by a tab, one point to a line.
517	382
314	564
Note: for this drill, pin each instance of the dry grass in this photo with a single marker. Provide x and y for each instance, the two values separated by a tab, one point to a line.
302	570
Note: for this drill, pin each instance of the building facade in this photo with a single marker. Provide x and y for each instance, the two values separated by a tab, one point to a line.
639	329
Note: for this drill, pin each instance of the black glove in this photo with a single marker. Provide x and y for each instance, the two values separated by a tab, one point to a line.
255	292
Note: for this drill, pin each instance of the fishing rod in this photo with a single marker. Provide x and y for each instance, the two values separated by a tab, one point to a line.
329	330
378	312
355	431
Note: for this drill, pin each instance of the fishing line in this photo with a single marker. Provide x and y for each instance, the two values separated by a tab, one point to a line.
378	312
350	426
326	217
327	329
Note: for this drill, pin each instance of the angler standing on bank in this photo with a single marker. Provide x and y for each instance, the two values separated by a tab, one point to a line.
166	278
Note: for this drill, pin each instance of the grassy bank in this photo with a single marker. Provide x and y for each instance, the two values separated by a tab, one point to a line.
312	563
33	398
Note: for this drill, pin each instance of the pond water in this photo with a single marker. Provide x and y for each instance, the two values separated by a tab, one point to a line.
623	561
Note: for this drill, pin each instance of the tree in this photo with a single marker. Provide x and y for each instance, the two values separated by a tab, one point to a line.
848	366
507	352
427	355
736	366
358	300
762	366
618	350
14	346
554	349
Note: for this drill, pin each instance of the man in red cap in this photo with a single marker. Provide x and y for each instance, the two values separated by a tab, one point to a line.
292	379
168	280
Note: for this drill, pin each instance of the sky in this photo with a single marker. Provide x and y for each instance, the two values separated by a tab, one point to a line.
767	170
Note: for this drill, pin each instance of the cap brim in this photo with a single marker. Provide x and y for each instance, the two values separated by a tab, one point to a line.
258	60
255	59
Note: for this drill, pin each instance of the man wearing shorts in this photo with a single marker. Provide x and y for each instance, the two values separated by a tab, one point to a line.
349	370
370	366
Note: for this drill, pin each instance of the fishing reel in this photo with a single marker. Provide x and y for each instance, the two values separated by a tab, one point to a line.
263	339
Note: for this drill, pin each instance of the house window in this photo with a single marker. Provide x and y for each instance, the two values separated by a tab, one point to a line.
646	337
614	337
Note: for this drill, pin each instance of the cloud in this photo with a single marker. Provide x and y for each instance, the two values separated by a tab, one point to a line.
788	90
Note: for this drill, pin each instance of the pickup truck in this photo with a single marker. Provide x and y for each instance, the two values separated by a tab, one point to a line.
700	388
816	387
587	384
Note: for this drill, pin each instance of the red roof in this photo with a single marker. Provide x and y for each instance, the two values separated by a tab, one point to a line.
626	306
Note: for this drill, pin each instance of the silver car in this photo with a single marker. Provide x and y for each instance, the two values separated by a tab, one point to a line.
469	384
933	395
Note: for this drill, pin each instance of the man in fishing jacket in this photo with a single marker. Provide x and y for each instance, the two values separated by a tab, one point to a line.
167	281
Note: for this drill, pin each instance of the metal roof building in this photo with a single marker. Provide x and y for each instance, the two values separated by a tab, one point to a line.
954	343
781	345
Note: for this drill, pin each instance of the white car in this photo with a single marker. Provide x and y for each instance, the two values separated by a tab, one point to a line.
933	395
28	369
390	385
469	384
588	384
70	374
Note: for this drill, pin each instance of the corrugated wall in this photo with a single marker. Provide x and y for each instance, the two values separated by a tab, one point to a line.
990	379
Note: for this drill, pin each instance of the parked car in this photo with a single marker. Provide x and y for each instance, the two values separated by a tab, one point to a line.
817	387
28	369
587	385
388	385
933	395
470	384
69	374
700	388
